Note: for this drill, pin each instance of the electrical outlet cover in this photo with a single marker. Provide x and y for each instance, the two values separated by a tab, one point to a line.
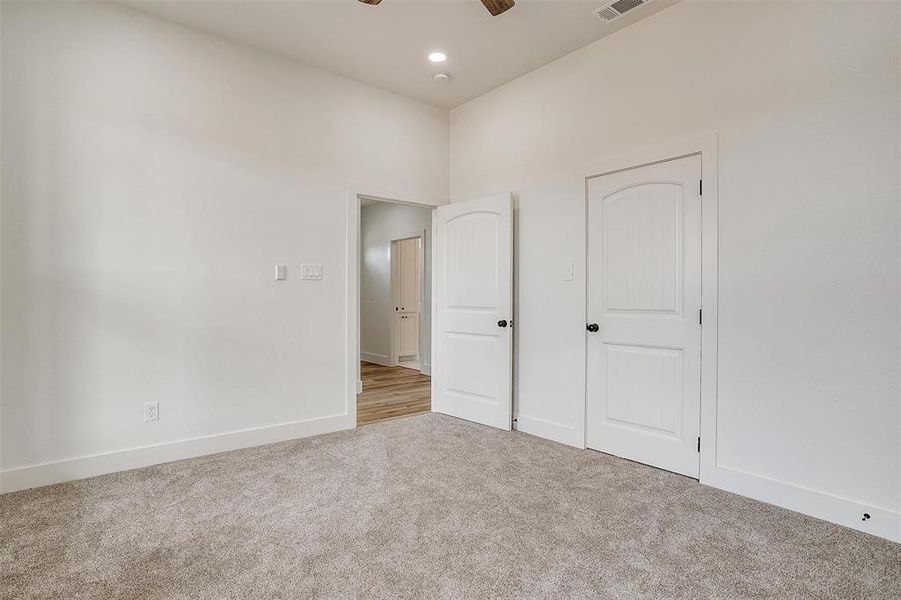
151	411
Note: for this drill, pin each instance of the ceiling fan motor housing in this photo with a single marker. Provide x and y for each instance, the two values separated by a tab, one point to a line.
495	7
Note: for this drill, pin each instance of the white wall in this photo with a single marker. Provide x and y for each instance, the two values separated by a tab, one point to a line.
805	99
152	178
381	222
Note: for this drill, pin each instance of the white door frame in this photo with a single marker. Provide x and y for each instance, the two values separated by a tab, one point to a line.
355	193
417	233
706	147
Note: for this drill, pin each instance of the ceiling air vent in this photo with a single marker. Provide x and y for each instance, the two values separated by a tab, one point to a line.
614	10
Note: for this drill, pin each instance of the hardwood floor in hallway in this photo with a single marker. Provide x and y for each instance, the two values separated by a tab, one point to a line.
391	392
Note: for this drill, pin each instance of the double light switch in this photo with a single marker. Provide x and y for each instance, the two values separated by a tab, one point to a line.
311	272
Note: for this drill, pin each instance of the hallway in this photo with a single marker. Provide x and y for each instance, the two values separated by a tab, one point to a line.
391	392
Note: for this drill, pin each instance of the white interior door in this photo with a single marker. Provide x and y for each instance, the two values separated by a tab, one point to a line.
409	274
406	293
644	297
472	366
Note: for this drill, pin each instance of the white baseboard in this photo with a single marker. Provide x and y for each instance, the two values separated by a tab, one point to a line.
122	460
379	359
883	522
426	369
565	434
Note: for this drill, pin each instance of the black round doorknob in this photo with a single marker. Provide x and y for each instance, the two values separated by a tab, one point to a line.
592	327
502	323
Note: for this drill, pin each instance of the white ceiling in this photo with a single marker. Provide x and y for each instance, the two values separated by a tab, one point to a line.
386	45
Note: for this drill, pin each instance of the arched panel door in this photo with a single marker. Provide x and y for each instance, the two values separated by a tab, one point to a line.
644	301
472	368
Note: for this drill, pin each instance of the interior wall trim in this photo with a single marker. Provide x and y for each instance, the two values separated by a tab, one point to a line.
883	522
81	467
558	432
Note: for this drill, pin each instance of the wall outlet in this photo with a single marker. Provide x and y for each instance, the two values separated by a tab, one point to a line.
568	270
280	274
151	411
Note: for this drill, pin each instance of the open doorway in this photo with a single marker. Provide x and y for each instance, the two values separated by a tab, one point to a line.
395	310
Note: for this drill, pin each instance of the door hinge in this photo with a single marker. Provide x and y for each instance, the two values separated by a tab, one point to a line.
700	187
700	316
699	444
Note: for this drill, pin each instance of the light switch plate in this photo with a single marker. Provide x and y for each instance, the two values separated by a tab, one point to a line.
311	271
568	269
280	274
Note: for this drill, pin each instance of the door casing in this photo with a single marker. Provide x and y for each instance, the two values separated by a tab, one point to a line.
355	193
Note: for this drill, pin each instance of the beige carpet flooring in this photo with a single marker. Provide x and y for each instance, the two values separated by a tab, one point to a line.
422	507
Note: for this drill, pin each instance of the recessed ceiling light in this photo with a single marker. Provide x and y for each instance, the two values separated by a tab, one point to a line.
437	57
